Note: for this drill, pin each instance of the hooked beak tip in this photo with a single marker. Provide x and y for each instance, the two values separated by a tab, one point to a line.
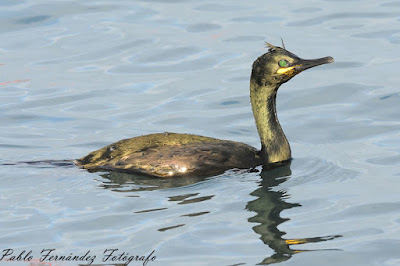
329	59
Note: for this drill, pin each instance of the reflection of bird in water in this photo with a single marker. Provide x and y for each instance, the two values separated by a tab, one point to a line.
125	182
268	206
171	154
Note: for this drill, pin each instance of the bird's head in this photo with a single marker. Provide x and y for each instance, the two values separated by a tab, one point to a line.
278	66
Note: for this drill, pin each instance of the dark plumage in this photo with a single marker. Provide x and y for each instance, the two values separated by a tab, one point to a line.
171	154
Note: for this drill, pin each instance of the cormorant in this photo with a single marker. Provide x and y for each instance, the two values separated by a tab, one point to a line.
179	155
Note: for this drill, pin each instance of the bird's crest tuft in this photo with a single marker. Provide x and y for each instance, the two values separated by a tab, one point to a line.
270	47
273	47
283	44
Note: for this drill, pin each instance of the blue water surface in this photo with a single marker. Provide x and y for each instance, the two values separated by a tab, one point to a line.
78	75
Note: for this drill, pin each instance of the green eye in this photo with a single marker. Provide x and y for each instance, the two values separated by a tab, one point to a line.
283	63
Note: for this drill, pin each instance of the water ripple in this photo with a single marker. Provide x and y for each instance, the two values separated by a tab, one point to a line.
100	71
338	16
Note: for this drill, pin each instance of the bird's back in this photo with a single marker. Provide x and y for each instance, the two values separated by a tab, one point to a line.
172	154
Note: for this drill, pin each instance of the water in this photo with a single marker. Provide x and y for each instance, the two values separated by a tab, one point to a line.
77	75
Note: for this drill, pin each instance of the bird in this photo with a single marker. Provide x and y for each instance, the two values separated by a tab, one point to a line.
172	155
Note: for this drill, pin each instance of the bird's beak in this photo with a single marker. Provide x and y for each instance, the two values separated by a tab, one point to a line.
304	64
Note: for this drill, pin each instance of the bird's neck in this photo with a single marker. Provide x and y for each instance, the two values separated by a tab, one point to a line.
274	145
